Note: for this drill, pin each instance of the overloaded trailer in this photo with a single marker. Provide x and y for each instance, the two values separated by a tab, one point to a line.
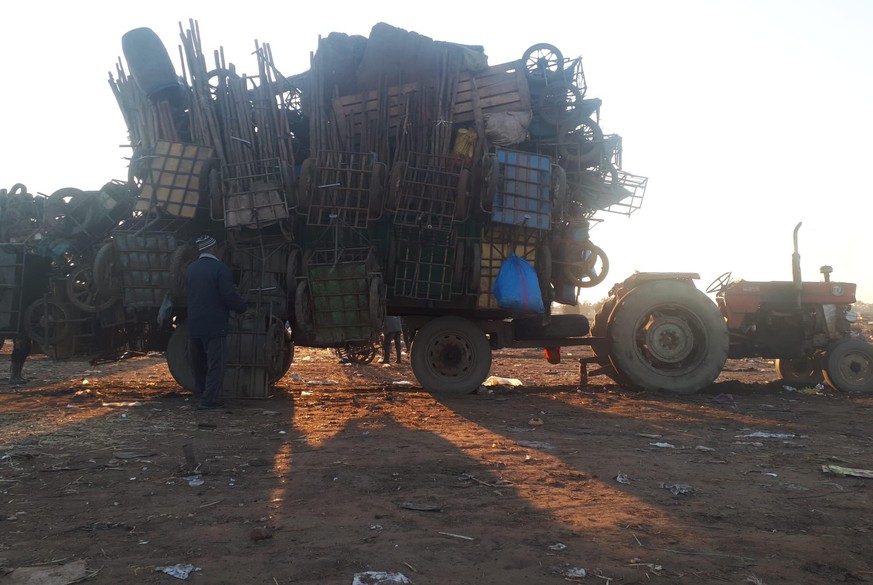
397	175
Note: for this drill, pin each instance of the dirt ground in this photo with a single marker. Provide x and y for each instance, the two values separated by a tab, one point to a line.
352	474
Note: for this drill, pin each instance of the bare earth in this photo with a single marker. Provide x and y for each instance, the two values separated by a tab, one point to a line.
353	469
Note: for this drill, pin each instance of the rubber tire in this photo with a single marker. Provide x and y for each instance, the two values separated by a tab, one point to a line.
306	185
443	334
800	371
102	303
704	342
462	195
303	308
848	354
376	201
44	335
570	270
177	355
537	75
104	266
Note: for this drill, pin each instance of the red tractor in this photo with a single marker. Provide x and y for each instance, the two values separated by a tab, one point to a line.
808	327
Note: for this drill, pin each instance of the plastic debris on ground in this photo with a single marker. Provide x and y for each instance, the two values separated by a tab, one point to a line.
557	546
725	400
402	383
678	489
662	445
763	435
179	571
622	478
536	445
851	471
575	572
380	578
499	381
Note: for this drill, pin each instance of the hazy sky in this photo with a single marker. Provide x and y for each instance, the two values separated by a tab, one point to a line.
746	116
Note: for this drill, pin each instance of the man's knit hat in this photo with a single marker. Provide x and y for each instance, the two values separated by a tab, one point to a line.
205	242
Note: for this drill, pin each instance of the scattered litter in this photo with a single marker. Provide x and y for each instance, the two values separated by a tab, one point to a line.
296	377
269	412
750	443
813	391
461	536
421	506
649	435
261	533
763	435
557	546
536	422
132	454
194	481
663	445
375	527
317	382
770	473
574	572
380	578
678	489
851	471
179	571
401	383
498	381
622	478
48	575
120	404
306	358
789	388
536	444
704	448
725	400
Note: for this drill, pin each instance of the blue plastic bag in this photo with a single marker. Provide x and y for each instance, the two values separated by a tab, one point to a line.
517	287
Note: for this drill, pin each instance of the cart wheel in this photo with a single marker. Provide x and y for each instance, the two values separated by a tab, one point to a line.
395	185
462	196
357	353
178	360
280	352
47	322
107	279
377	190
306	185
377	304
216	197
179	261
303	308
581	143
475	267
490	175
458	267
293	267
82	292
590	271
542	61
558	103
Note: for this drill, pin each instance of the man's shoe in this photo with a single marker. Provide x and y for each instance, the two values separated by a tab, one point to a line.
210	405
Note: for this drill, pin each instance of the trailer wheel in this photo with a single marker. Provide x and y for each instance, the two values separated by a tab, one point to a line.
450	355
47	322
800	371
462	195
178	360
667	335
849	366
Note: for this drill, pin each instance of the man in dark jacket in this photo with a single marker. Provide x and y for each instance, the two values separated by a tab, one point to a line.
211	297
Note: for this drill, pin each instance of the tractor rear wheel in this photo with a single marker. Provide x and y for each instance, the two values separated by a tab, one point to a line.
849	366
667	335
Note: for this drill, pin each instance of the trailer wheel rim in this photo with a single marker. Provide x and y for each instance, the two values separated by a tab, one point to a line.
668	339
450	355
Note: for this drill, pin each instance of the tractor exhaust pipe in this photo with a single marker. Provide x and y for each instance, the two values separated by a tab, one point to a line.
795	268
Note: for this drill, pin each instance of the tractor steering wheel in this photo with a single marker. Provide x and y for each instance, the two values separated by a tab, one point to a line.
720	283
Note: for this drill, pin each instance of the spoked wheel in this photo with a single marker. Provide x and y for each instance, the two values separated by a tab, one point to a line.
849	366
451	355
542	61
83	293
667	335
558	103
358	353
799	371
47	322
178	360
591	270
